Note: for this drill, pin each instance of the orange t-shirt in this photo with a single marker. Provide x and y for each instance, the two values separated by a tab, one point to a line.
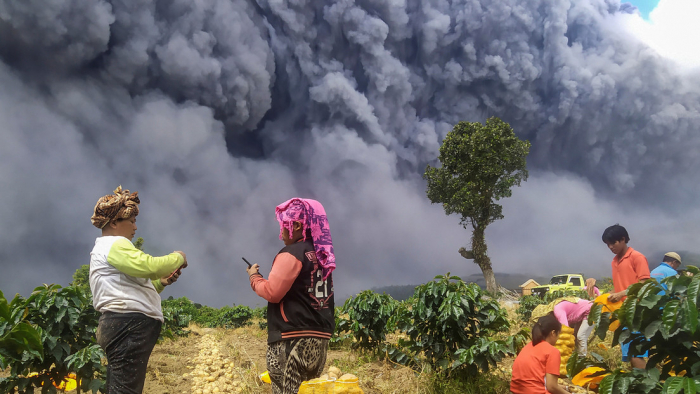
530	367
630	269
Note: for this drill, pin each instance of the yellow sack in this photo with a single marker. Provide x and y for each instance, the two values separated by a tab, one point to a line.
565	344
609	307
584	377
346	384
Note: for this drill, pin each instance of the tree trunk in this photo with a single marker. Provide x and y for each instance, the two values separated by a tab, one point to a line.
482	259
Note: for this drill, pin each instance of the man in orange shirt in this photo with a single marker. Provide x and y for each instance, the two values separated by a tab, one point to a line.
628	268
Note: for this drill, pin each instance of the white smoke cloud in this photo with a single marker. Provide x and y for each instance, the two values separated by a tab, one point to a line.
217	111
672	31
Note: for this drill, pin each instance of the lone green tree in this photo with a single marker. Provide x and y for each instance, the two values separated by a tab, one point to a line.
480	165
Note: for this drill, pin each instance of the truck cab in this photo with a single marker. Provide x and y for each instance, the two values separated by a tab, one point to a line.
561	282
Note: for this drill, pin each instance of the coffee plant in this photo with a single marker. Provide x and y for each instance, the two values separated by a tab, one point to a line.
452	326
368	316
64	321
234	316
666	324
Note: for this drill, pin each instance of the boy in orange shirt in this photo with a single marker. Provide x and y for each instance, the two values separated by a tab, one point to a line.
628	268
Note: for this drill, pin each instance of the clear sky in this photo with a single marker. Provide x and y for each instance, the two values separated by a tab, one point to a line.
645	6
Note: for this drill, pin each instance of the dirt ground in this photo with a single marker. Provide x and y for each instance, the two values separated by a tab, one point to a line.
246	347
171	364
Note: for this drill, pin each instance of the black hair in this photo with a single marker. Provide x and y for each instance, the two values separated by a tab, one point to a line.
669	259
544	326
615	233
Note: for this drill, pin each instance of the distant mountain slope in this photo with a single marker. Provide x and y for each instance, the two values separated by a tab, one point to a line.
509	281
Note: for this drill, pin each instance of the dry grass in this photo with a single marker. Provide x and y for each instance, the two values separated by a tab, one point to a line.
247	346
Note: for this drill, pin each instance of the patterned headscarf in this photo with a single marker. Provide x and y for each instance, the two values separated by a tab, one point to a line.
311	215
120	205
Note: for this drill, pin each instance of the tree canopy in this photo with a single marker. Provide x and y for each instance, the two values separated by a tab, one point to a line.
480	165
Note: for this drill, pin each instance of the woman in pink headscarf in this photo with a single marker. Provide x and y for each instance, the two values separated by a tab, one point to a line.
299	292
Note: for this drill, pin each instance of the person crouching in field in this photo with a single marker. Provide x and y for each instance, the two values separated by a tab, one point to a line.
299	291
575	315
125	284
536	368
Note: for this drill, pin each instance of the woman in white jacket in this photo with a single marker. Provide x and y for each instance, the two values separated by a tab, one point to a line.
125	284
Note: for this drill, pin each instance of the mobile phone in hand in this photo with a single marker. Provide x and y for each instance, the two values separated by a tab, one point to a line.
178	271
247	262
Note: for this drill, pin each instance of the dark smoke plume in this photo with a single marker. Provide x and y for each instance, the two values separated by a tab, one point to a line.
218	110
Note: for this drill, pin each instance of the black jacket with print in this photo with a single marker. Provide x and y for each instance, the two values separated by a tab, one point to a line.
307	310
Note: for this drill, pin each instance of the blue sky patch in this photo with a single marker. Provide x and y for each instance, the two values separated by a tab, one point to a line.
644	6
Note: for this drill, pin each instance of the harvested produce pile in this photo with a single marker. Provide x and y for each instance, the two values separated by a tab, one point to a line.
332	382
212	372
574	389
565	344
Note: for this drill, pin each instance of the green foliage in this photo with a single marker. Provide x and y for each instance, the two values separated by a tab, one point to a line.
452	327
234	317
605	285
206	316
479	384
480	165
182	311
138	244
527	304
637	381
342	337
669	321
81	276
368	316
17	337
260	313
175	323
64	321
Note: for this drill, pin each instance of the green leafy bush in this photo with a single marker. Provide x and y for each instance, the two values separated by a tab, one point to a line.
180	312
669	322
206	316
65	322
451	326
368	315
527	304
260	313
234	317
175	323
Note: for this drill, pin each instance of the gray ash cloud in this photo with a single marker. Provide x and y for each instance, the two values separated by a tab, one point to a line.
218	110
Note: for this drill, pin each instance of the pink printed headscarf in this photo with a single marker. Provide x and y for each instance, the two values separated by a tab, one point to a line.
312	216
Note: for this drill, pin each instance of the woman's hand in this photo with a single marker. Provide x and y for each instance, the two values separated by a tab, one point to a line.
184	257
590	287
172	278
253	269
552	384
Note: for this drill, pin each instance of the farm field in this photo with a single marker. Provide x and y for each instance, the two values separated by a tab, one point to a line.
449	337
173	362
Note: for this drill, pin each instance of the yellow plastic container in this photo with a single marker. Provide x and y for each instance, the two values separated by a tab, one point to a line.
265	377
